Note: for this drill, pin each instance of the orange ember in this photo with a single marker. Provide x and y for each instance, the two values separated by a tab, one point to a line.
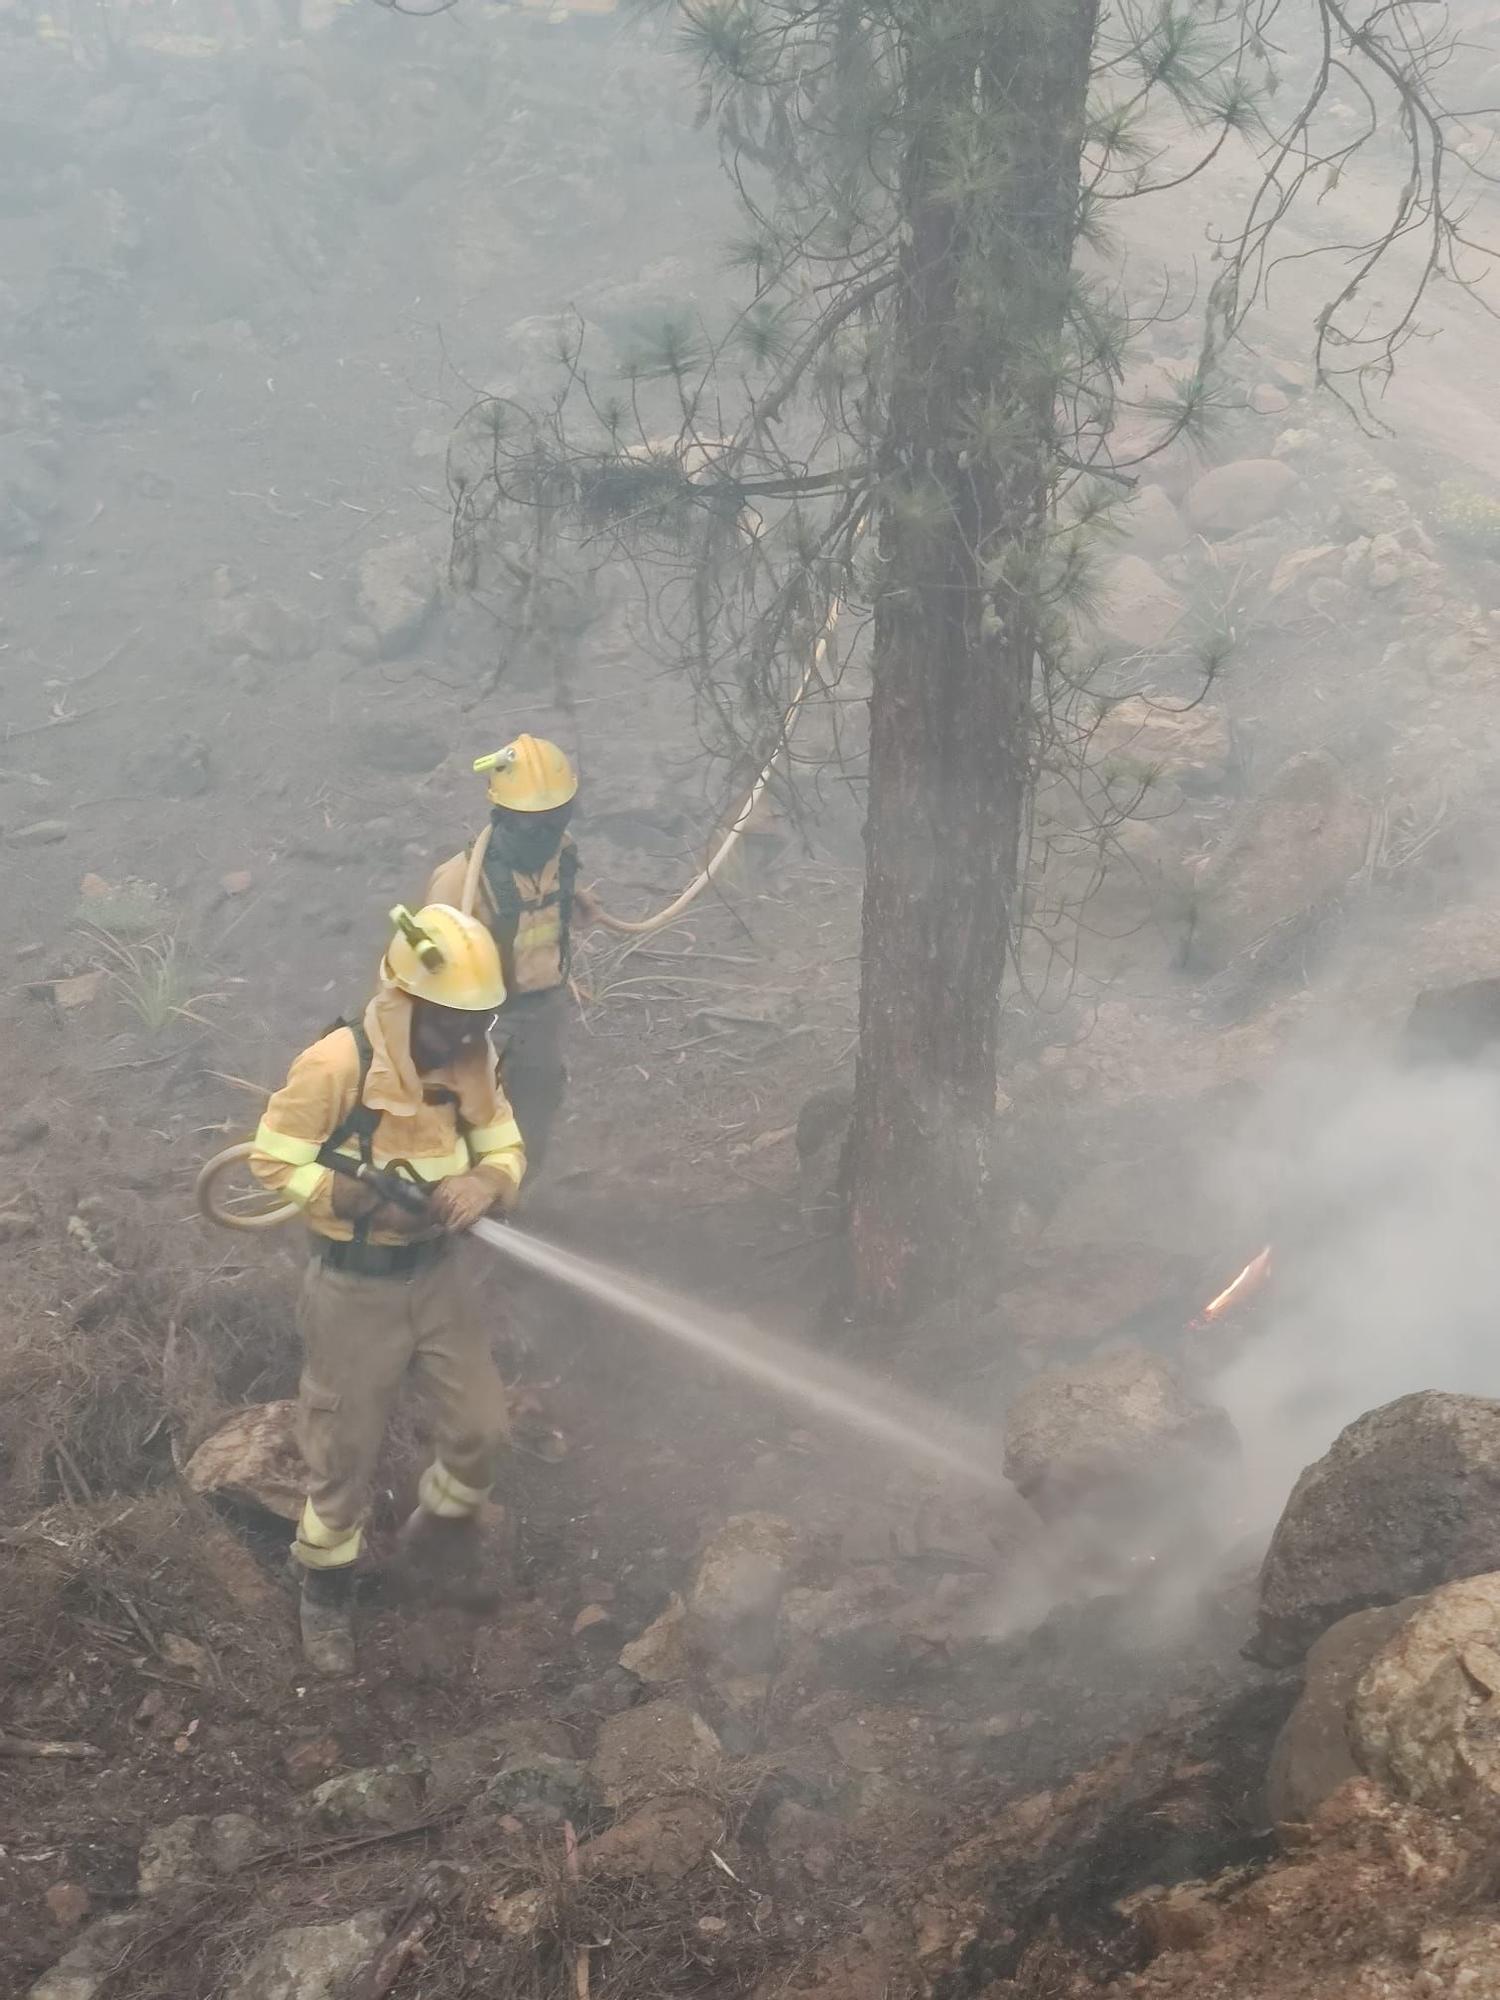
1245	1286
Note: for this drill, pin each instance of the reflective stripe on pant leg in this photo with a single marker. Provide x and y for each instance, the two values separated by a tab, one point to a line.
320	1547
357	1340
440	1493
458	1380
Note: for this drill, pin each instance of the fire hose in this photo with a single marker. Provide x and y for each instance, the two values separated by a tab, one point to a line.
206	1190
389	1183
645	926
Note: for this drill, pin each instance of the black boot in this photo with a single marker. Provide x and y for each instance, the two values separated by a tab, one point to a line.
450	1562
327	1618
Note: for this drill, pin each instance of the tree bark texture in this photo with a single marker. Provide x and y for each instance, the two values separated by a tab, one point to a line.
985	271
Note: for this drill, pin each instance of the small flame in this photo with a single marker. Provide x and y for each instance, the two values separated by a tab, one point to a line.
1245	1286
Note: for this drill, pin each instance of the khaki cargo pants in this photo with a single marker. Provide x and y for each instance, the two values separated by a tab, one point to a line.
529	1042
362	1337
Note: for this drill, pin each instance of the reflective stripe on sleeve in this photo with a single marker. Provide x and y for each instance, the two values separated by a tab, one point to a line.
306	1183
494	1138
278	1146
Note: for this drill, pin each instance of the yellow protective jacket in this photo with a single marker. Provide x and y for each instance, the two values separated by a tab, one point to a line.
532	938
470	1126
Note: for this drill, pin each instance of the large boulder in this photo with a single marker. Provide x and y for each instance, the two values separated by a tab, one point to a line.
89	1965
1406	1498
736	1594
1313	1756
240	621
1119	1433
396	592
1425	1718
1152	523
662	1842
1452	1024
195	1849
1237	496
314	1962
665	1747
252	1459
1143	740
1292	854
379	1796
1138	609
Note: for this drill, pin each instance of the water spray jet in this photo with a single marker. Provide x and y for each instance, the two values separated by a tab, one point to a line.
831	1388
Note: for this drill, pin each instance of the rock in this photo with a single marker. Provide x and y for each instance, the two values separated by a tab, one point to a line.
180	767
40	833
172	1854
16	1225
1121	1430
1293	852
611	1693
382	1795
1423	1717
1233	497
521	1915
457	1763
399	746
28	1130
1406	1498
235	1840
539	1787
69	1903
661	1748
1142	739
737	1591
1312	1756
252	1458
196	1849
797	1837
396	592
594	1627
79	991
87	339
1319	559
315	1962
662	1842
1331	598
1452	1024
84	1972
1152	523
1266	400
1377	1903
238	882
1138	609
239	621
1375	508
660	1654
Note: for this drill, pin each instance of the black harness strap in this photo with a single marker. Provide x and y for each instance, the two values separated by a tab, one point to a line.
511	904
359	1122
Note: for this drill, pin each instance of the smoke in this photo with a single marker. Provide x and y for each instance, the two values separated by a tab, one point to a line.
1380	1191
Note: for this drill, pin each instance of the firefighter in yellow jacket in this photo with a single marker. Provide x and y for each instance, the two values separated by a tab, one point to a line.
528	894
387	1294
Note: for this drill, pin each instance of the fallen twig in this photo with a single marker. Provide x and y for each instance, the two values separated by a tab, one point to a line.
31	1746
355	1843
438	1887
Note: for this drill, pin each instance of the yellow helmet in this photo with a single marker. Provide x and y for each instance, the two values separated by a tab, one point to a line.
445	957
529	775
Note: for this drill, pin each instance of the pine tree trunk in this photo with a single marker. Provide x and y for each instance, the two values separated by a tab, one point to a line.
984	285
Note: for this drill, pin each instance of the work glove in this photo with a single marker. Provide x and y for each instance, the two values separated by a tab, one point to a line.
459	1202
352	1201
